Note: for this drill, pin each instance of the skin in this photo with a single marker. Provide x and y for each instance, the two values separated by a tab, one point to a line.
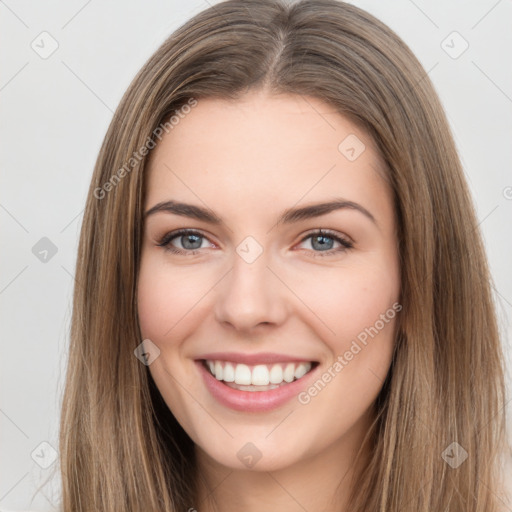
248	160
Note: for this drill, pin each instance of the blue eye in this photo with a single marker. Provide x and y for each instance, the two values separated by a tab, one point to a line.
320	239
190	239
191	242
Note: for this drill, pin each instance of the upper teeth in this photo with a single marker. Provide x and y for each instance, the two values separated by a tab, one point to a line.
259	375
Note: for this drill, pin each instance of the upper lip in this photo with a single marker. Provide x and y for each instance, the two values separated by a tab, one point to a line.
253	359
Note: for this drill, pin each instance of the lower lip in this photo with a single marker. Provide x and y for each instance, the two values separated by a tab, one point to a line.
253	401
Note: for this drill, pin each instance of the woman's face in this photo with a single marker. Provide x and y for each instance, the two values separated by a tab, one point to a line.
256	291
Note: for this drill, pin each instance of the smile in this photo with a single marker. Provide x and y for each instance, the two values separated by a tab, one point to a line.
260	377
255	387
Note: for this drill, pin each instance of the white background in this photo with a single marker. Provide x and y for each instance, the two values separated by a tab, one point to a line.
55	112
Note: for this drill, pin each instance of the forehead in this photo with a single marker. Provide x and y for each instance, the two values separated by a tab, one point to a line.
265	150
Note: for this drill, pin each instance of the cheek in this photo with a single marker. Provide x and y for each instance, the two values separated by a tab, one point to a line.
360	309
356	308
167	304
346	301
167	299
154	296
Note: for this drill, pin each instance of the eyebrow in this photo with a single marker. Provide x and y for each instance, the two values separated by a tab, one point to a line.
289	216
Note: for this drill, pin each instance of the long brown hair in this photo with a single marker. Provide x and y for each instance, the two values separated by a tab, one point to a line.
120	446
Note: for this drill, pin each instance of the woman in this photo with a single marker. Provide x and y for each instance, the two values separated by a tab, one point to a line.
330	343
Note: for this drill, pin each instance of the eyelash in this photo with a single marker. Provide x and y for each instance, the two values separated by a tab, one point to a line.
167	238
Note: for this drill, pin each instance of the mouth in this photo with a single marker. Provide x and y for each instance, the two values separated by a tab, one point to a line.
259	377
255	388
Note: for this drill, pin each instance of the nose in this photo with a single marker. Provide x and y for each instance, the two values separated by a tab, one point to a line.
251	295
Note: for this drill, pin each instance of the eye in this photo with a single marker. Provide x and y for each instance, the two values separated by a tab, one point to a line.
322	240
190	240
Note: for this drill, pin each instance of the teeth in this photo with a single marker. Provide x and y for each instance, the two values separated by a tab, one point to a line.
229	373
258	375
219	373
242	374
301	370
276	374
289	372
